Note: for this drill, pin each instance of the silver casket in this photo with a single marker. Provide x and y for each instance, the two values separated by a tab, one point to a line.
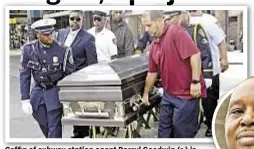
107	94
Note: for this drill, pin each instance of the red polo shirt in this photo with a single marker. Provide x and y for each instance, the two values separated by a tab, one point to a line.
170	56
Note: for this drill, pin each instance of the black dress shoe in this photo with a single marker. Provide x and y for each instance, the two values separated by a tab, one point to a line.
208	133
98	130
79	135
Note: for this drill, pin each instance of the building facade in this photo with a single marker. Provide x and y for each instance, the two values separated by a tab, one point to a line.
62	18
232	23
17	26
230	20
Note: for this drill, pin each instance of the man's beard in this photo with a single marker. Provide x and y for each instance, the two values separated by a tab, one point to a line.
46	43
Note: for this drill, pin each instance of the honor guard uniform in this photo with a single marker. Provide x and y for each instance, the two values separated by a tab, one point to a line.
48	62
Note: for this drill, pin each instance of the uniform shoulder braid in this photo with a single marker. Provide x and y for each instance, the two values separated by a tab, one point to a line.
28	45
30	42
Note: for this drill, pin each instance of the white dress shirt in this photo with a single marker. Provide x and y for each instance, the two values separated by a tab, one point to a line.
70	38
105	42
215	36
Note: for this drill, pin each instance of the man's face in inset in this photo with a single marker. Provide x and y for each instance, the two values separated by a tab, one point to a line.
75	20
239	122
117	15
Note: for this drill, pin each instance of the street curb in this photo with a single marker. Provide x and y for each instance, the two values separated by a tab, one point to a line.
15	52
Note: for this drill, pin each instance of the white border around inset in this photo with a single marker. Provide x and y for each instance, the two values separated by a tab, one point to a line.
215	115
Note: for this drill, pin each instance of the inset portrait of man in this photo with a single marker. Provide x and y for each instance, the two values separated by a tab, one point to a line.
239	121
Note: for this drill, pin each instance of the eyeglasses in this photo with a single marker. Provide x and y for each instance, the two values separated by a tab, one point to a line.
98	18
75	18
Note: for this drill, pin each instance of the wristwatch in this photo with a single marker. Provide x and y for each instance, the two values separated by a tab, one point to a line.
195	81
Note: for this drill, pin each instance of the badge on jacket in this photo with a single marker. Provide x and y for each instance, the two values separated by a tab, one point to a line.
55	59
21	67
114	41
202	34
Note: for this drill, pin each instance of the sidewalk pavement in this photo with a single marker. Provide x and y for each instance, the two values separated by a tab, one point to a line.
15	52
235	57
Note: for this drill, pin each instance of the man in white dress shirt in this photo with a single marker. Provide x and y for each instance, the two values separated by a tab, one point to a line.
216	38
105	40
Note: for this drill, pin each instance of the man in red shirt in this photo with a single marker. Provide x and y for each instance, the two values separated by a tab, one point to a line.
175	56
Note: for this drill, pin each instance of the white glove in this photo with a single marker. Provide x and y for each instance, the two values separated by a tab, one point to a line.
27	107
160	91
208	82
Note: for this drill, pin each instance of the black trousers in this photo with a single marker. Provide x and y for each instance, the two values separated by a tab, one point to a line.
81	130
209	104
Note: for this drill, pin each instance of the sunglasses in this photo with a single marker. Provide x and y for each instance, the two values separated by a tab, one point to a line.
98	18
118	12
192	11
75	18
47	34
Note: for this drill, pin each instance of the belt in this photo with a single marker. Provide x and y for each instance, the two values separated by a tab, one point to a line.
46	86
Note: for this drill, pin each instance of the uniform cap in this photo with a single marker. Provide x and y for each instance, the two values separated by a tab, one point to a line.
99	13
44	26
171	13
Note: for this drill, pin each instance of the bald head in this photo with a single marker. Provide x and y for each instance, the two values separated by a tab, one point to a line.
117	15
239	122
152	15
153	22
244	89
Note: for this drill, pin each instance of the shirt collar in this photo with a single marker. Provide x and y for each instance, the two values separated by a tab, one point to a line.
43	45
101	32
74	32
165	28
